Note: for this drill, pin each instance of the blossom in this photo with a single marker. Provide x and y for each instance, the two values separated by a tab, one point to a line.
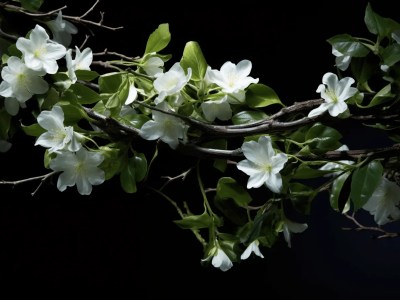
334	92
78	168
233	79
253	247
384	202
220	109
20	82
342	61
57	136
221	260
39	52
82	61
62	30
153	66
171	82
168	128
262	164
132	94
336	166
290	227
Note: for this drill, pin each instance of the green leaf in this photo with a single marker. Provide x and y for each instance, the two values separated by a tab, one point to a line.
140	164
381	97
32	5
127	177
84	95
114	155
304	171
193	58
391	55
340	200
5	122
33	130
136	120
159	39
260	95
110	83
228	188
86	75
195	221
321	138
247	117
378	25
348	45
364	182
50	100
301	196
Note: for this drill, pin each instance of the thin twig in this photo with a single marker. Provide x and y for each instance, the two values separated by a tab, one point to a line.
90	9
42	179
360	227
8	36
30	14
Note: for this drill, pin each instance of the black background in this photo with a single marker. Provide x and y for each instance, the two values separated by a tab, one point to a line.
111	239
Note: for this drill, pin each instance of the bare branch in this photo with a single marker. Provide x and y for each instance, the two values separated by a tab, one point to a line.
8	36
42	179
90	9
381	232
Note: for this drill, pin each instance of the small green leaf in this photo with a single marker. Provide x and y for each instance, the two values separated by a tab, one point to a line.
33	130
247	117
260	95
86	75
84	95
228	188
381	97
159	39
391	55
378	25
140	164
348	45
340	200
5	122
193	58
195	221
321	138
32	5
127	177
364	182
304	171
110	83
113	156
301	196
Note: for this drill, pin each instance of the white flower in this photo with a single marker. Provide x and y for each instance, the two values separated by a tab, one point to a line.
253	247
132	94
342	61
57	137
262	164
220	109
233	79
292	227
39	52
4	145
221	260
62	30
82	61
80	168
336	166
334	92
171	82
153	66
396	35
21	82
168	128
384	202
